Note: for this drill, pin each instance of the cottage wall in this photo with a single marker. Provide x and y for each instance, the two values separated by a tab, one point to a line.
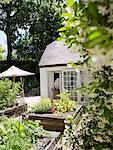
45	77
46	81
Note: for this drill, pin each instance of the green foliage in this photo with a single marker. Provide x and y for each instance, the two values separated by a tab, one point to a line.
95	129
7	1
19	135
1	53
15	15
61	105
8	92
43	106
88	27
45	21
64	104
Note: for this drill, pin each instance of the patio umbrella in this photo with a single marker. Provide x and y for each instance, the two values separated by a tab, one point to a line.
16	72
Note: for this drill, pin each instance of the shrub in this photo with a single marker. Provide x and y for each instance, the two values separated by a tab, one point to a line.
64	104
8	92
19	135
95	129
43	106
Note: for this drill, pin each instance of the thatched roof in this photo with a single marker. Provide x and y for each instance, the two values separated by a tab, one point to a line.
57	53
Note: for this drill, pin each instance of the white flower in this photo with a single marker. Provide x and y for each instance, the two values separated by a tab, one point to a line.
94	59
111	7
102	10
72	25
69	10
109	132
107	139
80	141
99	138
64	23
101	125
92	148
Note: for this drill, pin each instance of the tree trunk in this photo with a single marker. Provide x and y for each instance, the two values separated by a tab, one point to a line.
9	48
9	36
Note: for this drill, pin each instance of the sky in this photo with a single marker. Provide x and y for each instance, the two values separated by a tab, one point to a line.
3	40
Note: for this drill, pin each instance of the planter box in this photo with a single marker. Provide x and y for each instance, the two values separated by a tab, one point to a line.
51	122
48	143
15	110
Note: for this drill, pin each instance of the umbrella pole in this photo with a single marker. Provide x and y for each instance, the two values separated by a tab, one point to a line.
13	79
22	84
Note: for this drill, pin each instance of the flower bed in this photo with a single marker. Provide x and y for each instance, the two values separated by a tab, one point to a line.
61	105
53	113
52	122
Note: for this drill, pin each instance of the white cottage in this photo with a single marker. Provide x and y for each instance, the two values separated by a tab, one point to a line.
56	75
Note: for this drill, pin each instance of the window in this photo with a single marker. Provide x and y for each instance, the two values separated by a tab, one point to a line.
85	78
69	82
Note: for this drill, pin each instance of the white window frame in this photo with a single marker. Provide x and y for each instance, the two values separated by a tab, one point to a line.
69	86
86	79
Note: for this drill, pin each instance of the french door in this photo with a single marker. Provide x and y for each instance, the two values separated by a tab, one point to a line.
71	80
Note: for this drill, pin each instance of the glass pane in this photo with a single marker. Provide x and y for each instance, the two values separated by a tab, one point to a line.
70	82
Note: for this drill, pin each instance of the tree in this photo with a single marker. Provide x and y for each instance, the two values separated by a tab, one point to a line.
14	14
46	20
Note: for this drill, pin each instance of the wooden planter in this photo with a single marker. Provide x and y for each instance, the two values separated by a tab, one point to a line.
15	110
51	122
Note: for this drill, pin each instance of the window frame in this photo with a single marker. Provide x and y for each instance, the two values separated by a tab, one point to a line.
86	78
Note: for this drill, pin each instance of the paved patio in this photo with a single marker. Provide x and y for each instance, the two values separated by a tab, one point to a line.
30	101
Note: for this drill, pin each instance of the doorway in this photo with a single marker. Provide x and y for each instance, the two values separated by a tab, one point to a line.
54	84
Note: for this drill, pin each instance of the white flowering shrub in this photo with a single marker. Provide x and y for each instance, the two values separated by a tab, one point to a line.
95	129
88	27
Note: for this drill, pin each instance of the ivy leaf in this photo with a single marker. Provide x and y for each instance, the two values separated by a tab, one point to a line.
62	29
70	3
66	15
107	113
94	35
59	38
